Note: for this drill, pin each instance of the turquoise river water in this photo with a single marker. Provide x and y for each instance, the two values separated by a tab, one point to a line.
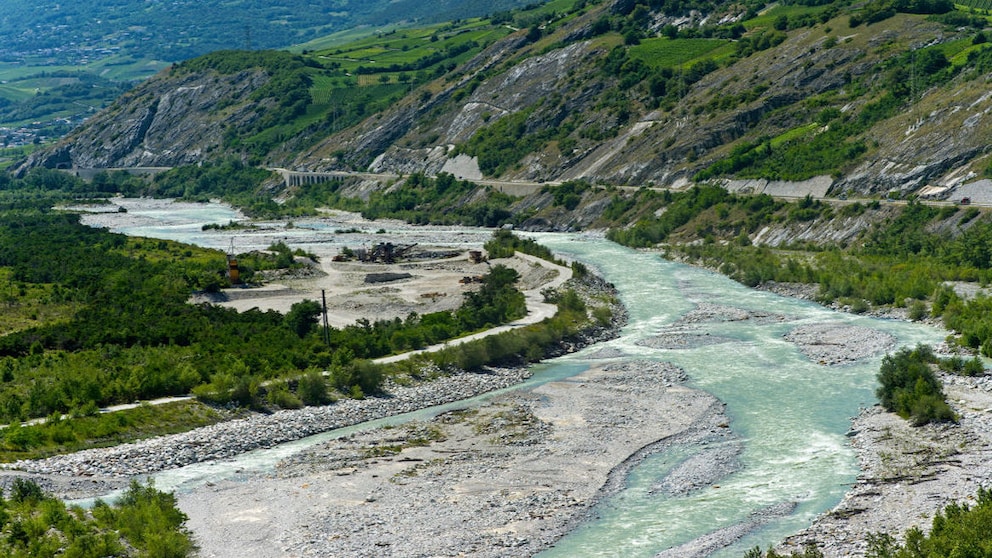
791	413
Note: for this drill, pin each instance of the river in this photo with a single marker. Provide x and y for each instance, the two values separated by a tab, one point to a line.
791	413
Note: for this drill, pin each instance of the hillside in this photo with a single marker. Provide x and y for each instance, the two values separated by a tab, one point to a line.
60	62
864	99
172	31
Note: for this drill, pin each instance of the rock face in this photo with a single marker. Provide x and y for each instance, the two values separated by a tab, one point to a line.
170	120
602	129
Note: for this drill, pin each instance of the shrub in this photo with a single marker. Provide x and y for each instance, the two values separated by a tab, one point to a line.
917	310
973	367
281	397
911	389
312	390
23	490
810	551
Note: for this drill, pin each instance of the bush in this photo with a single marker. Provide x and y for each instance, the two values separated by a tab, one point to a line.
24	490
281	397
145	522
917	310
312	390
911	389
973	367
810	551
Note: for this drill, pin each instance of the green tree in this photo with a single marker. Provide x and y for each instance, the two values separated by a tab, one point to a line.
911	389
303	317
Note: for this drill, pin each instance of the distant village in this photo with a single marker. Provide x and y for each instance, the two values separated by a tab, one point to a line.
39	132
60	56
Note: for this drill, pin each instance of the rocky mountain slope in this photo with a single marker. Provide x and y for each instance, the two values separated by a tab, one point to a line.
618	93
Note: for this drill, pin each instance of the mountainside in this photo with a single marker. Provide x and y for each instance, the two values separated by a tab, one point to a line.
174	31
62	62
868	98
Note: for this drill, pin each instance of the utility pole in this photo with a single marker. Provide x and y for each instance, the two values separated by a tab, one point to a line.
327	329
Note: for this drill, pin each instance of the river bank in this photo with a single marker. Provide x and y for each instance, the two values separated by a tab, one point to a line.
908	474
505	479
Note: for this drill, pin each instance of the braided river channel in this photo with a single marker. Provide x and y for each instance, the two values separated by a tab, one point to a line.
791	413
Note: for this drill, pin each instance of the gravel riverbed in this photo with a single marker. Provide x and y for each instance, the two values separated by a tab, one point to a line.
504	479
515	474
227	439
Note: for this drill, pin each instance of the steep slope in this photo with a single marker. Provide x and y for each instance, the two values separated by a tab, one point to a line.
936	139
164	122
612	92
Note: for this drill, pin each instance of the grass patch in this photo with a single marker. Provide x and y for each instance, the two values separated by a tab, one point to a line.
24	305
799	132
767	17
960	56
673	53
966	5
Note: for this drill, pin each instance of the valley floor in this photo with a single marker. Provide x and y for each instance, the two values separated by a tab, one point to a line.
504	479
511	476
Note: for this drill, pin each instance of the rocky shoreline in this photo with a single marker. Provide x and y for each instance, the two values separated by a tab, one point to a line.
505	479
907	474
258	431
